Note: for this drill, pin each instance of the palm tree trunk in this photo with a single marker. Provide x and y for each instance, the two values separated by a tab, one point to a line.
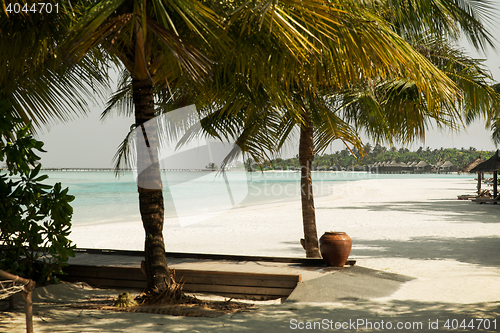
306	156
149	185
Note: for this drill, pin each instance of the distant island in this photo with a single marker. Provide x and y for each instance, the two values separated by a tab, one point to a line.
380	158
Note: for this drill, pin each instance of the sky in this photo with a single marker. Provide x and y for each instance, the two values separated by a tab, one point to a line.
87	142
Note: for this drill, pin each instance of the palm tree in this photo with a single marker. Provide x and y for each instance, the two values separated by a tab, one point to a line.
299	110
393	110
153	42
470	77
261	114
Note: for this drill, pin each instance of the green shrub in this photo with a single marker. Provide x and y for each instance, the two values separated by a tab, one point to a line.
35	218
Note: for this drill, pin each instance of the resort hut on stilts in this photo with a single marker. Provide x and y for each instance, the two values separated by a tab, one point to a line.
491	165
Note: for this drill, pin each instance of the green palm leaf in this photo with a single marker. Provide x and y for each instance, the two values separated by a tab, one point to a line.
39	86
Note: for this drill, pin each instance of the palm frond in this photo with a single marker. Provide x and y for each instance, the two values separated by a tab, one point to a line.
495	131
166	32
41	88
121	100
450	18
125	156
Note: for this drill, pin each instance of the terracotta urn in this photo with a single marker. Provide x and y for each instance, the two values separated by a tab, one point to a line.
335	248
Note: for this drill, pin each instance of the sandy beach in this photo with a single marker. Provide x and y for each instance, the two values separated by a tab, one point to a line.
413	227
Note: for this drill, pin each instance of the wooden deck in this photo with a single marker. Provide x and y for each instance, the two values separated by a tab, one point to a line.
248	277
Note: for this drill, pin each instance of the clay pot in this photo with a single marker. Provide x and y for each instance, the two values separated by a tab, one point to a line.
335	248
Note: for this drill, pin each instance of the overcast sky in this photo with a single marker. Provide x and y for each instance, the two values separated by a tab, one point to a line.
89	143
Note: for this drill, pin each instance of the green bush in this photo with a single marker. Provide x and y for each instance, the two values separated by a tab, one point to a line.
35	218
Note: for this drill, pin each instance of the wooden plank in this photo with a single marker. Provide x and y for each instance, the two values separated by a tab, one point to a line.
255	293
205	256
237	282
189	276
281	292
237	279
350	262
107	282
245	296
105	272
260	275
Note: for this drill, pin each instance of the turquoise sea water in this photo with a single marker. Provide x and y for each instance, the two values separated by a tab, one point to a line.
101	197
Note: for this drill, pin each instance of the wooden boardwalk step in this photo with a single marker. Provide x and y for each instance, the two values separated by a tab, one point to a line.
257	286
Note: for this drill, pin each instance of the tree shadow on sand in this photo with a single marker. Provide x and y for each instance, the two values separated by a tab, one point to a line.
268	318
452	210
477	250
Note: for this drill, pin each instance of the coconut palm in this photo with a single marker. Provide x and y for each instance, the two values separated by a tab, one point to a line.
406	110
393	110
401	114
152	41
261	114
268	119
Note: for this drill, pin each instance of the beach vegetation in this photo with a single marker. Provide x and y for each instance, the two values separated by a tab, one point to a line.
393	110
35	218
211	166
345	160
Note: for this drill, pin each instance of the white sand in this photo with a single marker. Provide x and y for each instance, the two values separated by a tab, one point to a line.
412	227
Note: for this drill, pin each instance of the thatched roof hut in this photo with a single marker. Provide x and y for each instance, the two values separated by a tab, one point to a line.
422	167
447	166
422	164
472	165
490	165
